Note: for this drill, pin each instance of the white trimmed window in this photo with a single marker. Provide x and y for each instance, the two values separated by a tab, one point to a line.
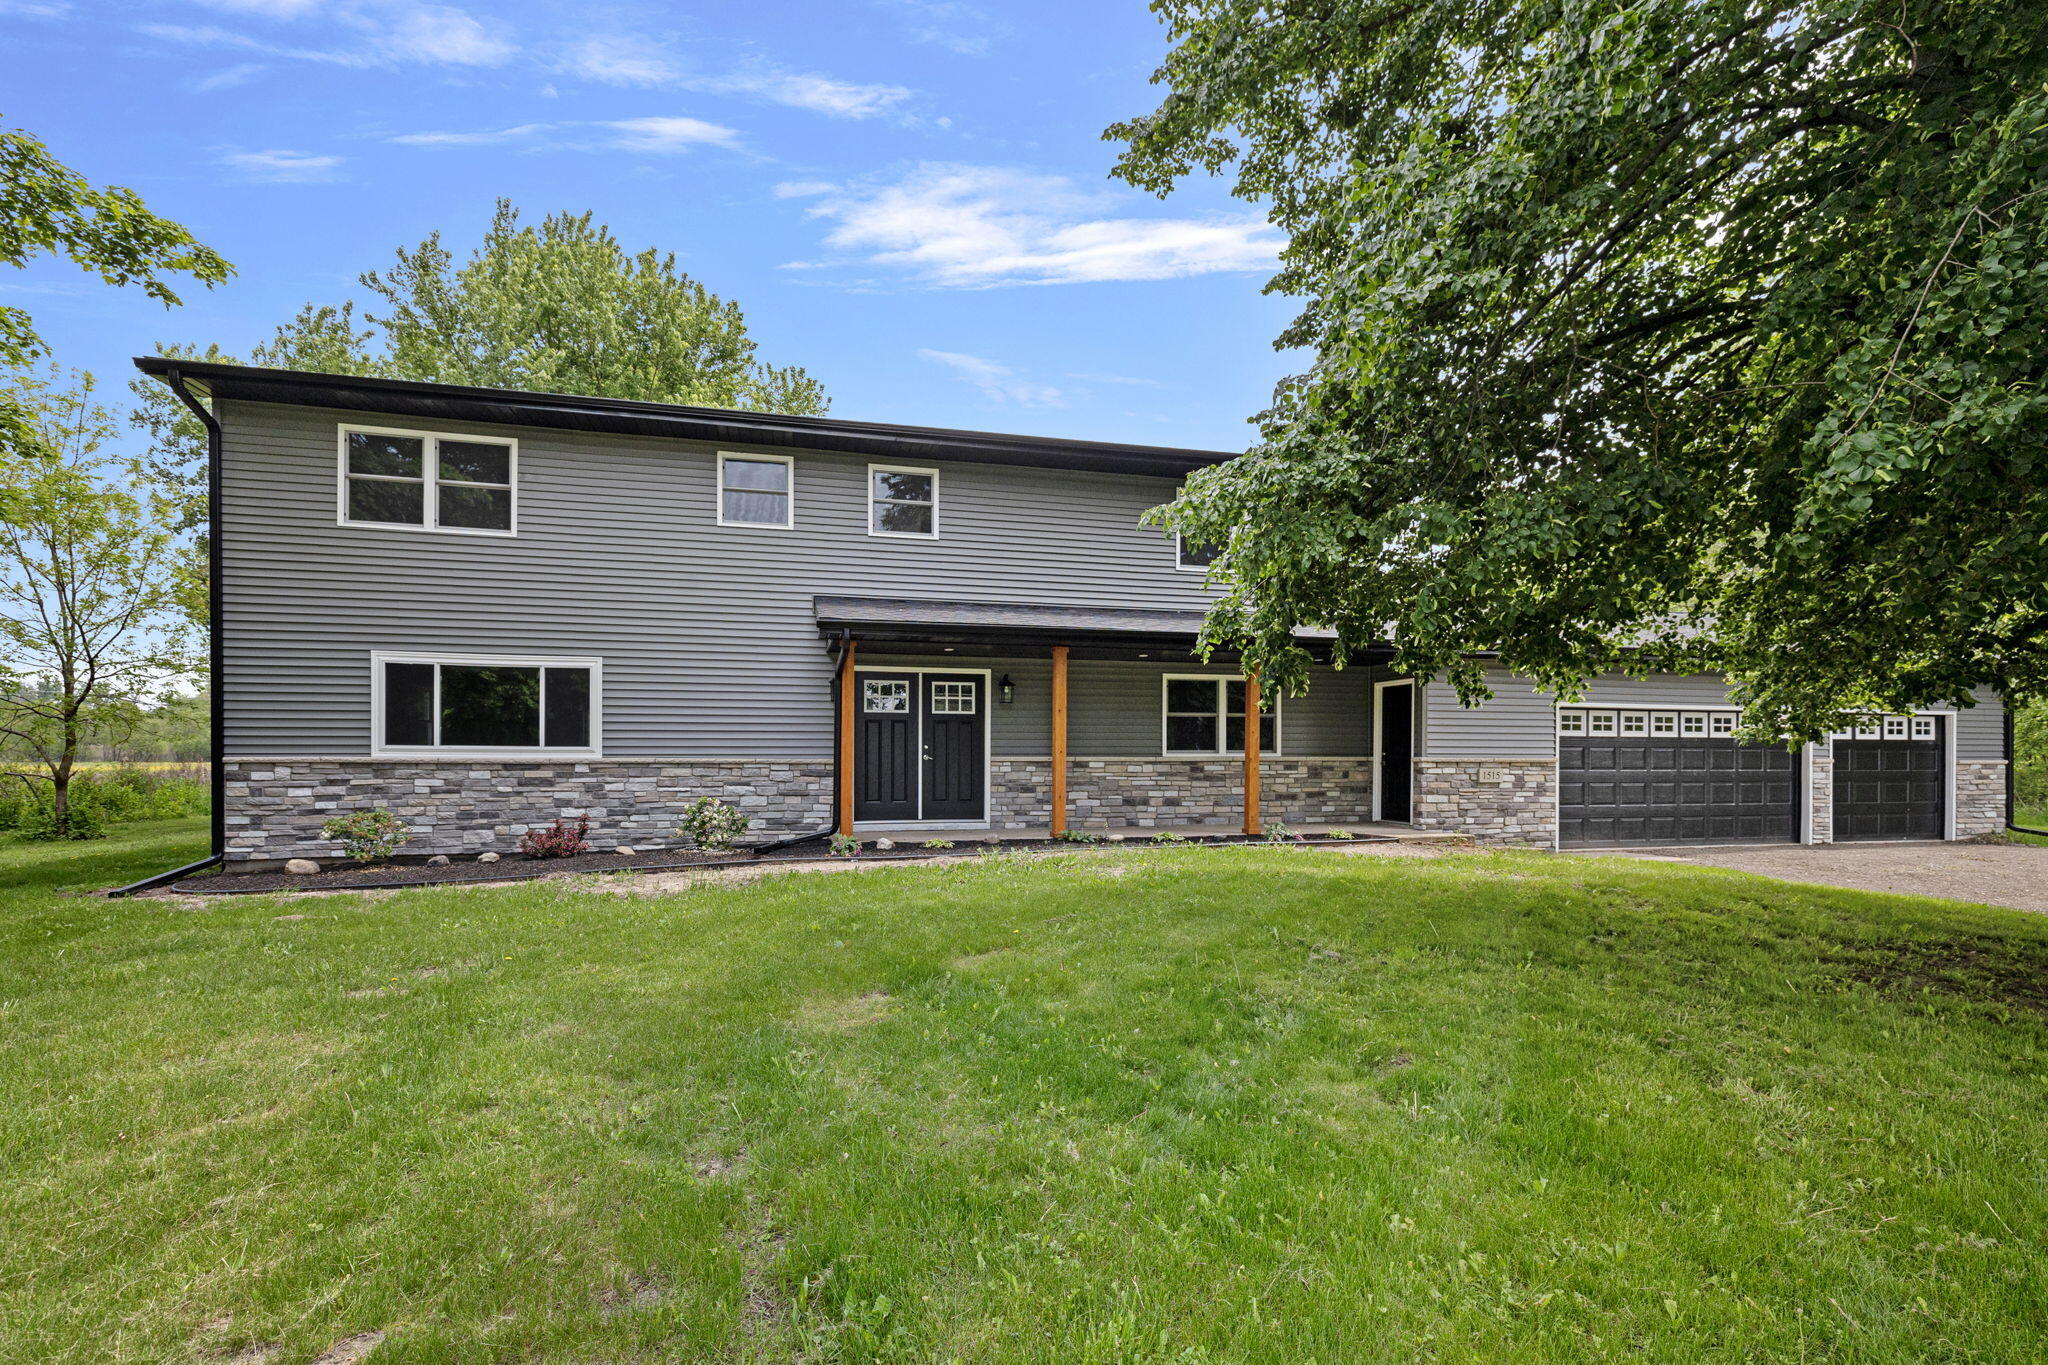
1894	727
1635	723
1664	723
882	695
1206	716
475	705
1693	724
1600	722
428	481
756	490
1571	722
1923	727
954	698
1194	556
1724	722
903	501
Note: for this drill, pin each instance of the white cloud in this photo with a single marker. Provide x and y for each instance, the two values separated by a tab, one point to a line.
670	134
229	76
35	9
377	33
621	61
475	139
618	60
949	24
977	226
999	383
803	189
283	166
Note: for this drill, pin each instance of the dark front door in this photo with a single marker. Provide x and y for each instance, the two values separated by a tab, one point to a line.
1890	788
954	750
885	746
1641	789
1397	751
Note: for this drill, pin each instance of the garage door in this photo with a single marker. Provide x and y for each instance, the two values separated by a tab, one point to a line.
1889	782
1670	777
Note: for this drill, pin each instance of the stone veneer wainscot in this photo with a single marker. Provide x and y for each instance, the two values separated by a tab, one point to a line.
275	806
1980	797
1494	800
1158	793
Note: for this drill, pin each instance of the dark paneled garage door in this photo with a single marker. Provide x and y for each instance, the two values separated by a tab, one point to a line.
1892	788
1626	790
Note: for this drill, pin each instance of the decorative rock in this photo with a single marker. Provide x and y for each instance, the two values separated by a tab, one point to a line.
625	852
1116	838
884	845
302	867
438	860
487	857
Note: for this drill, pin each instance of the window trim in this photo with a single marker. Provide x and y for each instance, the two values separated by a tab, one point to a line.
381	657
1180	557
1222	718
788	462
868	491
430	479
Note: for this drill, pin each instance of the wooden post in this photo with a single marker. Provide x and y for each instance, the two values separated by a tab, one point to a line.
1252	827
1059	739
846	724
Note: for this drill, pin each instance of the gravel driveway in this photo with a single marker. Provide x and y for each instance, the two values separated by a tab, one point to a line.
1989	874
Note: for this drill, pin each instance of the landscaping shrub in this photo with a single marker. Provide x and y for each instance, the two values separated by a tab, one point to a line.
712	825
367	835
103	796
2030	759
844	846
558	840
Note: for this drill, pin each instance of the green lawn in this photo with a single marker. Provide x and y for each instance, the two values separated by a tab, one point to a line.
1176	1106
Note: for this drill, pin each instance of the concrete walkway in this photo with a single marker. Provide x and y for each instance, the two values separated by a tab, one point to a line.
2014	875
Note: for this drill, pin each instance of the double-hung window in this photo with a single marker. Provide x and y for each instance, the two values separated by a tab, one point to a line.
469	704
1194	555
1206	716
464	484
756	490
903	501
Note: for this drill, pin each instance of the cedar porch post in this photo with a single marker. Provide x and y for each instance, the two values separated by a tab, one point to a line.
1059	739
1252	828
846	723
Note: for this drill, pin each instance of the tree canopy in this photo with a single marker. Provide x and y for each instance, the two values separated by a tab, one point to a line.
1672	333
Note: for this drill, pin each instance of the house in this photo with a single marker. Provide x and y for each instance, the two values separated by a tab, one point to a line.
480	609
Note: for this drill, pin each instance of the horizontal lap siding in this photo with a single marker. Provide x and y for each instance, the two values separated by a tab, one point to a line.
707	633
1516	722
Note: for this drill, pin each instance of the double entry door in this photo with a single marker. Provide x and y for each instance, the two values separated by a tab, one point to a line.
920	746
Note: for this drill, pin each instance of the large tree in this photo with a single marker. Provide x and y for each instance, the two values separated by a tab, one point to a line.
1674	333
558	308
93	588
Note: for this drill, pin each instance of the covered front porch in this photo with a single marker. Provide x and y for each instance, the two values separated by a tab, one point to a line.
972	717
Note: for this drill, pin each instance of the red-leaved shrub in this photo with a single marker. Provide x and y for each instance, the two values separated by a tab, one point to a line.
557	840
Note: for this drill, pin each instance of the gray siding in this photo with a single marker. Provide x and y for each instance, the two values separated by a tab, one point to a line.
1518	722
706	631
1116	708
1980	731
1660	689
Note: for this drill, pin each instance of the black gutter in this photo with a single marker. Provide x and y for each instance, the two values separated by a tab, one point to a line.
216	695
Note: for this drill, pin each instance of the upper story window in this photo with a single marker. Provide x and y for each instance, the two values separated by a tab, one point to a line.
903	501
1193	556
463	484
756	490
466	704
1206	716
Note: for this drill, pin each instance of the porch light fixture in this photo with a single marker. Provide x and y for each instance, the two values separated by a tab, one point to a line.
1007	689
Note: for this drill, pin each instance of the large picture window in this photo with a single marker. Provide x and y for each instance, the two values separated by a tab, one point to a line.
418	479
756	490
1206	716
465	704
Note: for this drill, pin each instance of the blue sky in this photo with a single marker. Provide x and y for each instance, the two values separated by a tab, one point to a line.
908	197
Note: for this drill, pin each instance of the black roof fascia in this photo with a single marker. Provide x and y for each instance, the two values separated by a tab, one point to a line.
629	417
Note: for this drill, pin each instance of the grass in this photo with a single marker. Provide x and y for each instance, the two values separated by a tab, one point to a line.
1154	1106
2034	818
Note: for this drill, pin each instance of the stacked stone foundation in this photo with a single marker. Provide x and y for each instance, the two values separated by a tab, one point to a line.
1159	793
1507	801
1980	797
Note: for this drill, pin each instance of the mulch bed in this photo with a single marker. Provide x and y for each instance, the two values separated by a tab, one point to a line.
514	867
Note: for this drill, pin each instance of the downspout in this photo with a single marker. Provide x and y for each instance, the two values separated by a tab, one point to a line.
838	656
216	695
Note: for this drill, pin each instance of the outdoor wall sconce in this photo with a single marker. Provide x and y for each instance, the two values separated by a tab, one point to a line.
1007	690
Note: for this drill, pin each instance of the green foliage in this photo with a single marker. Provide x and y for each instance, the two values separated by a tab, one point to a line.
1280	832
92	589
1168	836
938	845
104	796
2030	757
1339	834
844	846
1071	835
46	208
1717	329
711	824
367	835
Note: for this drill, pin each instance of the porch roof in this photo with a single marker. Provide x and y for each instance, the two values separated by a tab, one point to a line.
1108	631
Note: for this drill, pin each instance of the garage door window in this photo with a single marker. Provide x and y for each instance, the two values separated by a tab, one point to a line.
1923	727
1724	723
1571	722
